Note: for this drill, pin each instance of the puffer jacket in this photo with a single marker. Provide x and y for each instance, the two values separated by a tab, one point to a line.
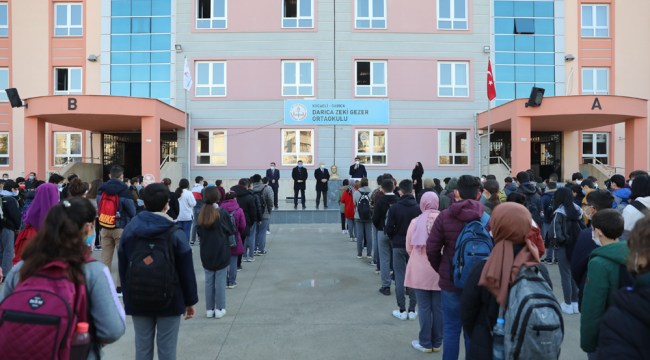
348	200
510	188
532	197
267	197
215	248
247	204
126	207
444	234
447	197
240	222
632	215
564	232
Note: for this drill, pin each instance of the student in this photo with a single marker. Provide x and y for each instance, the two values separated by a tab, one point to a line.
197	192
444	234
363	226
65	189
247	204
348	201
428	185
422	278
625	327
639	207
232	207
46	197
398	220
385	246
174	207
186	203
65	235
437	186
533	200
154	223
91	195
134	190
621	193
222	191
489	281
576	179
447	197
265	195
549	195
344	229
603	276
491	194
587	187
10	224
214	229
535	233
77	188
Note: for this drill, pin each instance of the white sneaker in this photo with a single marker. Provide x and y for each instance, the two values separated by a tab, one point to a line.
119	294
413	315
576	308
219	313
343	232
369	256
400	315
268	233
359	257
566	308
417	346
210	314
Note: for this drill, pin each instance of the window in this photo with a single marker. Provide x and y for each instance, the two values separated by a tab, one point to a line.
4	149
452	14
68	19
371	146
453	147
4	19
67	81
210	78
598	149
595	81
371	14
297	14
595	21
371	78
67	147
452	79
297	78
211	14
297	145
211	147
524	26
4	84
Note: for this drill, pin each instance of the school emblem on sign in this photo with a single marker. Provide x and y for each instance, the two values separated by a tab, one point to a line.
148	179
298	112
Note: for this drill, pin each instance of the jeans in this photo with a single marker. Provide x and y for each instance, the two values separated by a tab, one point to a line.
274	187
194	225
7	251
452	325
430	306
232	269
261	234
549	249
186	226
167	336
593	355
215	289
302	196
569	287
110	242
343	222
385	254
360	236
351	227
318	194
251	239
375	246
401	259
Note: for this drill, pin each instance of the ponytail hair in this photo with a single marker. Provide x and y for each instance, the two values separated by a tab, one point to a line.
492	186
60	238
231	195
183	184
209	215
167	182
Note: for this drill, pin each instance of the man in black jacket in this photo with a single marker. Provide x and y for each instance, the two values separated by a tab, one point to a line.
273	175
534	201
247	204
11	213
384	245
299	175
322	178
357	170
397	223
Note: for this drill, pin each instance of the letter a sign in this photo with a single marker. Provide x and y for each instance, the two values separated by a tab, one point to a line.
596	105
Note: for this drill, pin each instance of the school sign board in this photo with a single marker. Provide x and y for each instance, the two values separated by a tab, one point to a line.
336	112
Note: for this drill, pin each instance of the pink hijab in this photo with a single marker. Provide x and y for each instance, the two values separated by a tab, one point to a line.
429	205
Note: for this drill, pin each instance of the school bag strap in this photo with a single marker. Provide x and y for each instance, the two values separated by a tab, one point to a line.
642	208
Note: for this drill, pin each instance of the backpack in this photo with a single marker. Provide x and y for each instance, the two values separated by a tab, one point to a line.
232	239
548	212
363	206
473	244
619	205
534	327
625	278
151	277
23	237
534	211
260	204
40	316
108	207
386	218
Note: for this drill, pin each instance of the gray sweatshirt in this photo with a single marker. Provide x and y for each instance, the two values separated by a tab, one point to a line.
105	308
357	196
267	197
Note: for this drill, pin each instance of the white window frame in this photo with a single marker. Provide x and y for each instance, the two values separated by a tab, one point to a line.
210	146
298	85
298	17
595	81
453	85
69	25
298	153
453	153
7	155
212	17
7	26
594	27
69	91
69	143
370	16
593	145
210	85
372	84
452	18
372	152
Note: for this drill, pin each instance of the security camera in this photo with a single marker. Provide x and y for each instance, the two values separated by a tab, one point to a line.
569	57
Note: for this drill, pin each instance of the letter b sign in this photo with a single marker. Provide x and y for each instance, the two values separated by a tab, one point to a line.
72	104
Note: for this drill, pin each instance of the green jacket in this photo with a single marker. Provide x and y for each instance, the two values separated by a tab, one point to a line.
445	201
341	205
603	280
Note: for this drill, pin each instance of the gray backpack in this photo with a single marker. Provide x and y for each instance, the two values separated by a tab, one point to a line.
232	239
534	328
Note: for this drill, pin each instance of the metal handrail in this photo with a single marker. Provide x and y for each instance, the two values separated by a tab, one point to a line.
166	160
501	160
67	161
609	167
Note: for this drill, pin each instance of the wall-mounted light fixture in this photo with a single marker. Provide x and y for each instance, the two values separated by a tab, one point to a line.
486	49
179	48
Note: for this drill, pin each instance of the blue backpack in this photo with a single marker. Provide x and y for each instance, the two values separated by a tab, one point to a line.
474	244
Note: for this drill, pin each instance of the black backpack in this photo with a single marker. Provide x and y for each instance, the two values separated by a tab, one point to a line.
363	206
534	211
548	212
151	277
259	203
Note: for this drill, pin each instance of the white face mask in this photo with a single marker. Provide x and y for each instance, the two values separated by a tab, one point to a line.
578	182
595	186
356	162
272	167
630	183
594	238
322	166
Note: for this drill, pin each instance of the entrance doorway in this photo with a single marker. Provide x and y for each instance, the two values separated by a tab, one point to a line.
545	151
125	149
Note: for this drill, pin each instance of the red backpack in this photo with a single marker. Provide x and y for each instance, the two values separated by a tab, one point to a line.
107	208
24	236
40	316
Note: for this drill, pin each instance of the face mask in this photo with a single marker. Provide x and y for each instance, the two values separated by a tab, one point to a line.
595	186
322	166
272	167
90	239
546	189
594	238
299	165
21	186
15	192
60	186
356	162
578	182
584	192
5	179
630	182
31	178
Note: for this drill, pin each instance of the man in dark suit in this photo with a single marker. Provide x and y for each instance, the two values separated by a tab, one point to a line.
357	170
273	175
299	175
322	177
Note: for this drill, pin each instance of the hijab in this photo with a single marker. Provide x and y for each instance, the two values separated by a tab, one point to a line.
511	223
428	204
418	171
47	195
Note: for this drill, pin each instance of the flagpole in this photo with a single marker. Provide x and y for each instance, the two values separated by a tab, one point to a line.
187	120
488	134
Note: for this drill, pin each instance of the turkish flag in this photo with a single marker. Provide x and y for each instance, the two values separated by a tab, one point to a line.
491	90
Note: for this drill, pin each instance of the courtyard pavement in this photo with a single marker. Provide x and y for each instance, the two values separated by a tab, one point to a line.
309	298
